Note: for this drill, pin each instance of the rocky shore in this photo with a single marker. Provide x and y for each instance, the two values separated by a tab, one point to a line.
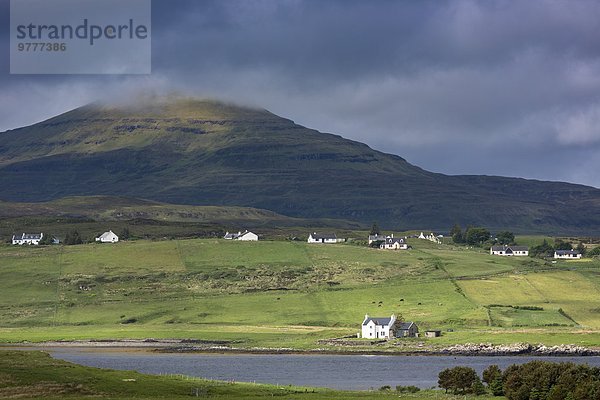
333	346
487	349
484	349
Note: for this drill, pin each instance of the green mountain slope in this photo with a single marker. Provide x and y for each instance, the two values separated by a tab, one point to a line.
190	151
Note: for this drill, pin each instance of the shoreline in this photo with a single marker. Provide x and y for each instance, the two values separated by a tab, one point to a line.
184	346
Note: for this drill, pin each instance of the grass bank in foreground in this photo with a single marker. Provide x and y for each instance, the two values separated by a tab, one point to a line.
33	375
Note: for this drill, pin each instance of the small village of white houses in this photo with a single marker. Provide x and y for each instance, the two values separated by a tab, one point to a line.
379	328
383	242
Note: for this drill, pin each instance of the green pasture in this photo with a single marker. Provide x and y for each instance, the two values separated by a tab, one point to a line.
205	288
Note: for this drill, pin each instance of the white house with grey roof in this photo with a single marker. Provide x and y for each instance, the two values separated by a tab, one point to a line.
392	243
378	328
27	238
322	238
518	251
387	328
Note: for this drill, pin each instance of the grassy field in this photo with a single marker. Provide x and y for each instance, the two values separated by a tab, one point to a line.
290	294
34	375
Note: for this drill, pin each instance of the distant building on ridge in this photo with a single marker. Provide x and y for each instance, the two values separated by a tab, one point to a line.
108	237
519	251
245	236
27	238
323	238
376	238
392	243
567	254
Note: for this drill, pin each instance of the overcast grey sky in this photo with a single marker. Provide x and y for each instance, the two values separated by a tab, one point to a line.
461	87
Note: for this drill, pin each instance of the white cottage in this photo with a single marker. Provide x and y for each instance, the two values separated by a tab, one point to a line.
567	254
387	328
246	236
322	238
431	237
108	237
392	243
519	251
27	238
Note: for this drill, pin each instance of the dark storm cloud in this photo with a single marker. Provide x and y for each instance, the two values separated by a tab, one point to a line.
495	87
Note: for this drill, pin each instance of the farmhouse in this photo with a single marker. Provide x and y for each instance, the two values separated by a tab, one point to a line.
506	250
379	328
246	236
27	238
108	237
387	328
392	243
322	238
567	254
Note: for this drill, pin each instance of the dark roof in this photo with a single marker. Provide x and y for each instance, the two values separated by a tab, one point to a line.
392	240
511	248
34	236
566	252
406	325
378	321
318	236
519	248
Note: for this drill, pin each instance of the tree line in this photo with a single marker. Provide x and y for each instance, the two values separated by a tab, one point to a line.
478	236
535	380
545	249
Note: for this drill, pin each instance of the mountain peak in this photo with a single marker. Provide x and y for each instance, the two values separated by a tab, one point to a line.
176	105
178	122
186	150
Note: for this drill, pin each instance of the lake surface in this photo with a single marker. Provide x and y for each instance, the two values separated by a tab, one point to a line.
351	372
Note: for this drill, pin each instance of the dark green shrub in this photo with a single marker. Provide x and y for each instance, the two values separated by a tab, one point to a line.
491	373
407	389
459	380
